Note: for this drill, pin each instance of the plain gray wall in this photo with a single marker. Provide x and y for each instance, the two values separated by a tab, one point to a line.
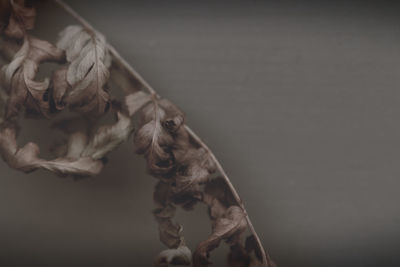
299	101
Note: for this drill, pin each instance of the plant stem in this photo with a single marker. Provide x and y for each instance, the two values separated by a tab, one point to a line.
118	58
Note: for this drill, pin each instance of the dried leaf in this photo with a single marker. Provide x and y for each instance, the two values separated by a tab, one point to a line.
20	20
167	112
218	197
161	194
77	129
83	144
179	256
174	117
156	137
83	166
153	141
27	158
77	142
8	148
108	138
19	77
228	227
87	72
60	87
229	220
184	169
170	232
193	170
136	101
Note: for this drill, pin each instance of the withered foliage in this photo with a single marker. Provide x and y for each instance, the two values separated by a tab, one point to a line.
186	170
82	83
19	78
79	83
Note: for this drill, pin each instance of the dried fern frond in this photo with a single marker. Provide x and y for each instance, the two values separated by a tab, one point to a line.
188	172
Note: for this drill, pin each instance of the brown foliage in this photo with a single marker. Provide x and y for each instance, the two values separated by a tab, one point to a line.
183	165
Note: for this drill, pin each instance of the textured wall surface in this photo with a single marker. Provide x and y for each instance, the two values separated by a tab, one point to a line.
300	102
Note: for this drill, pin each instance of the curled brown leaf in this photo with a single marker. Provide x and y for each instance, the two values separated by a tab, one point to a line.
19	77
84	88
228	227
20	19
60	87
108	137
193	170
27	158
170	232
84	141
153	140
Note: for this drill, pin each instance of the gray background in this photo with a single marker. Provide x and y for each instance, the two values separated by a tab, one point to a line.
299	101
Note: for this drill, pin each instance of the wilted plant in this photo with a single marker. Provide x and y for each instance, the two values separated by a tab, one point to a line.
187	171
